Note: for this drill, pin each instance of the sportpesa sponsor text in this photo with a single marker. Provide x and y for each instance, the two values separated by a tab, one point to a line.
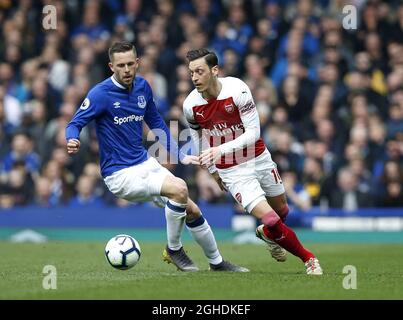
131	118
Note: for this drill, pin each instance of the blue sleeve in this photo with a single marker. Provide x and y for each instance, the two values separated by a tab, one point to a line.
89	109
156	123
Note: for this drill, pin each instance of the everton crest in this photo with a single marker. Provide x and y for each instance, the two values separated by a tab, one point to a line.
141	102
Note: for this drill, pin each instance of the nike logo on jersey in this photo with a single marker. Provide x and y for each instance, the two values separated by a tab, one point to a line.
117	104
200	114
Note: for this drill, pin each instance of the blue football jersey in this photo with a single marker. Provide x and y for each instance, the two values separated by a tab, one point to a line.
119	114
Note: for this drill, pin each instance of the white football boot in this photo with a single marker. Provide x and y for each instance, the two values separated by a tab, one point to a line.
276	251
313	267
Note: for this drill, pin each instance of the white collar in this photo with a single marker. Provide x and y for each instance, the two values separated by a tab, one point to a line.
116	83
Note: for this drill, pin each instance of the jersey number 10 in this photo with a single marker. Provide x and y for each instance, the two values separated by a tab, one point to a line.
276	176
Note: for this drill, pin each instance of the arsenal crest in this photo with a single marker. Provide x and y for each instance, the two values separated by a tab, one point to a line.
141	102
238	197
229	108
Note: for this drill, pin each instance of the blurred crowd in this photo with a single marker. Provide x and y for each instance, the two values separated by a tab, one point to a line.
330	100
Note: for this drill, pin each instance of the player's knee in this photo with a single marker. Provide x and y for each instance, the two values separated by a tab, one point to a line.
180	191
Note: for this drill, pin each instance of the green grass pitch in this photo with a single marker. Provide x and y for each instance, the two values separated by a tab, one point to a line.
83	273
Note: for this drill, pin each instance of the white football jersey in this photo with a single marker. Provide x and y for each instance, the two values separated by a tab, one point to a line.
224	119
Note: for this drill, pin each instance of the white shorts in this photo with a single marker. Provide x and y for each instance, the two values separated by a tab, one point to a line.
252	181
139	183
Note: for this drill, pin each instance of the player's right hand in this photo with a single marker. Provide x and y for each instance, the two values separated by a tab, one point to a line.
219	181
73	145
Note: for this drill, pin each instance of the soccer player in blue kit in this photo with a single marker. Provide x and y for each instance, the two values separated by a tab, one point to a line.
119	105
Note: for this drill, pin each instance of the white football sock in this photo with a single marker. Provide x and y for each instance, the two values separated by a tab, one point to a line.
175	214
204	236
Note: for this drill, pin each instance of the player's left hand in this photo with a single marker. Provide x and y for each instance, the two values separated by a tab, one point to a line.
190	160
210	156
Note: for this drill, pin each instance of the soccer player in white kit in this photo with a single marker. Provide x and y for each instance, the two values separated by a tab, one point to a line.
119	105
224	123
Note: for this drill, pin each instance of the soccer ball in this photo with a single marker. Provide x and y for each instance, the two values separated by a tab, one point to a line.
122	252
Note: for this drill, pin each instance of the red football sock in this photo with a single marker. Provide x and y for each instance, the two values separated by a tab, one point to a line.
286	238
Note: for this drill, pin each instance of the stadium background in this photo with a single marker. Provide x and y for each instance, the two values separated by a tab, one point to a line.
330	102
